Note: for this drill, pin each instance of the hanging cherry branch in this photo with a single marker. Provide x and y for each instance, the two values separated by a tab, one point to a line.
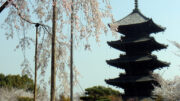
88	18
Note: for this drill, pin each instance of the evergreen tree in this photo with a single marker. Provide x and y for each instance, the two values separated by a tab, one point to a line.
16	81
100	93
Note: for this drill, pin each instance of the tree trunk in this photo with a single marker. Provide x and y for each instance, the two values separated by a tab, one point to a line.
53	56
36	58
71	53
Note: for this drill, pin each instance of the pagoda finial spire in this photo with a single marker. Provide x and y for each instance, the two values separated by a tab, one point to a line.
136	4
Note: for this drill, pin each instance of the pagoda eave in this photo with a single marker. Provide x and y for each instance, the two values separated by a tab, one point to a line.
144	45
127	81
127	59
150	64
148	27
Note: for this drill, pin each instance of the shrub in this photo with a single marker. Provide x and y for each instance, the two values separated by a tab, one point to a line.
100	93
24	99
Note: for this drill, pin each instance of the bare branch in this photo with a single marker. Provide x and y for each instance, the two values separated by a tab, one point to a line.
46	27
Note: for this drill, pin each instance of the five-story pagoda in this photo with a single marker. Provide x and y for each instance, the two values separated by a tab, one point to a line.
138	62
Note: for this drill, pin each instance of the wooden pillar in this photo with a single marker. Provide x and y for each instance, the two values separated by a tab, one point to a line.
53	54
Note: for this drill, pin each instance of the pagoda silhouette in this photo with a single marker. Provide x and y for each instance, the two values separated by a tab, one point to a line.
138	62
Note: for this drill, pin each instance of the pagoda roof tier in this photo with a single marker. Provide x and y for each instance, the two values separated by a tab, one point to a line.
147	44
138	62
125	81
135	22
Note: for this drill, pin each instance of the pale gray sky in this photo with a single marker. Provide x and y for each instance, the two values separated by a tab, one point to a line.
92	65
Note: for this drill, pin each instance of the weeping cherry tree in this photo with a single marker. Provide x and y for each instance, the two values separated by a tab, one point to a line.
87	22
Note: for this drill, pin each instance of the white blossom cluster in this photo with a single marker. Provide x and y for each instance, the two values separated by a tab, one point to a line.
169	90
13	94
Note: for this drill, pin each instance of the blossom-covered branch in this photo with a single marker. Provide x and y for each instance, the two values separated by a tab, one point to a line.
168	89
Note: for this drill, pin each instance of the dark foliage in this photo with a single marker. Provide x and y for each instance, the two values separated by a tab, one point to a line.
25	99
16	81
99	93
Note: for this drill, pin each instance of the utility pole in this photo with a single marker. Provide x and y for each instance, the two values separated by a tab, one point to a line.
53	56
71	53
36	58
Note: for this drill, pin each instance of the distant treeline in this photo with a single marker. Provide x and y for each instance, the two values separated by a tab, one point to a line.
16	81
